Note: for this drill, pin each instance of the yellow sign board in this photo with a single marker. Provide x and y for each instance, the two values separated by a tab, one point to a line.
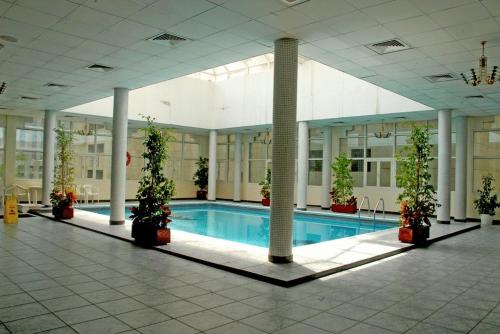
10	215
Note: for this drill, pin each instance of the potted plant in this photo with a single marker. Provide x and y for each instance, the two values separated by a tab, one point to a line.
265	189
487	202
341	194
151	217
63	195
201	178
417	200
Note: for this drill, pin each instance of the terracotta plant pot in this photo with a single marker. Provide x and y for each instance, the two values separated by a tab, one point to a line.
147	235
414	236
266	201
486	219
350	208
64	213
201	194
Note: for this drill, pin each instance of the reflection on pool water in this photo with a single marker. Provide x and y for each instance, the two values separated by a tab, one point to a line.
251	226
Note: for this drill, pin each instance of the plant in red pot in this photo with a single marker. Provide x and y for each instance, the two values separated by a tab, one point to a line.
201	178
63	195
417	200
265	189
342	199
151	217
487	202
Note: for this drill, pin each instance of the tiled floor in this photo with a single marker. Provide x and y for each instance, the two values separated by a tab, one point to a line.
55	278
310	261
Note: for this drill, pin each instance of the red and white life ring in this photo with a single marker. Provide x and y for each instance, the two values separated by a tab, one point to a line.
129	158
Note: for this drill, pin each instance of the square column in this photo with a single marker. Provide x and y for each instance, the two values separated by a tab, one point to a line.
237	168
49	141
444	162
284	132
212	165
119	156
461	169
302	166
326	172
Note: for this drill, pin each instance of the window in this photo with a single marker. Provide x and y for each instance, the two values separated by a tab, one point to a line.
486	155
225	158
29	153
315	157
184	151
260	157
92	147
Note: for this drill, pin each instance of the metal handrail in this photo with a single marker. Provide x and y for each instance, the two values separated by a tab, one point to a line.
376	207
361	206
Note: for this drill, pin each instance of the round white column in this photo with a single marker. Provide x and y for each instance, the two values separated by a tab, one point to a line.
444	159
461	169
212	165
49	141
237	168
326	172
302	165
119	156
283	168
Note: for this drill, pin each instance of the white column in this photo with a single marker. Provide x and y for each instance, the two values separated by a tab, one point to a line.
302	165
326	174
119	156
283	168
237	168
49	140
444	159
461	169
212	165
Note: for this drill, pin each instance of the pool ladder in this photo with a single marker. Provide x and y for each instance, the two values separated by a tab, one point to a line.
381	200
361	206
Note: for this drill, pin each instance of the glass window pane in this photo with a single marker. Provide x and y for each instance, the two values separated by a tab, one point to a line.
385	173
221	151
487	144
315	168
188	169
191	151
315	148
257	170
371	173
222	170
484	167
380	147
258	151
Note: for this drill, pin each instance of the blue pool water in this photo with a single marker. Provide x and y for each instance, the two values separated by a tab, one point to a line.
251	226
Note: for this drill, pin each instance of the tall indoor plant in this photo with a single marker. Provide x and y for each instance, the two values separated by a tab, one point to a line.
342	198
201	178
487	201
151	217
265	188
417	199
63	194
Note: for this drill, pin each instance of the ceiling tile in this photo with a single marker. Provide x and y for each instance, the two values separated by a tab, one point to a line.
393	11
412	26
59	8
371	35
252	30
3	6
91	51
192	29
135	29
22	31
312	32
123	8
65	64
324	9
366	3
431	6
459	15
335	43
493	6
429	38
93	17
49	47
286	19
60	38
473	29
351	22
255	8
78	28
116	39
221	18
224	39
30	16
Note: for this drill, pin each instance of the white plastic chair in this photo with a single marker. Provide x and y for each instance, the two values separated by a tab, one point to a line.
90	194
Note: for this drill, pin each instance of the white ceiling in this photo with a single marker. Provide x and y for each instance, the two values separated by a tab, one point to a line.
59	38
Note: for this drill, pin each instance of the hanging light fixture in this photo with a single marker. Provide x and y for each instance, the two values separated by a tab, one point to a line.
382	133
482	77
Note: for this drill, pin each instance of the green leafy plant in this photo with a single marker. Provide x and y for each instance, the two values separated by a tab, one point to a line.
63	194
487	201
343	184
265	189
417	200
155	190
201	175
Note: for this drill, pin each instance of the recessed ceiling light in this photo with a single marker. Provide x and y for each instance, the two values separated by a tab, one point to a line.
474	97
9	39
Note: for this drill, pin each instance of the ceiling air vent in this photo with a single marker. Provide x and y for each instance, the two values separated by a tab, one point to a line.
440	77
167	39
3	108
294	2
474	97
99	68
29	98
393	45
56	85
2	87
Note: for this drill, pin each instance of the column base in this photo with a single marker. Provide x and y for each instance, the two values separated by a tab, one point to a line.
443	221
460	220
116	222
327	208
280	259
302	209
236	201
